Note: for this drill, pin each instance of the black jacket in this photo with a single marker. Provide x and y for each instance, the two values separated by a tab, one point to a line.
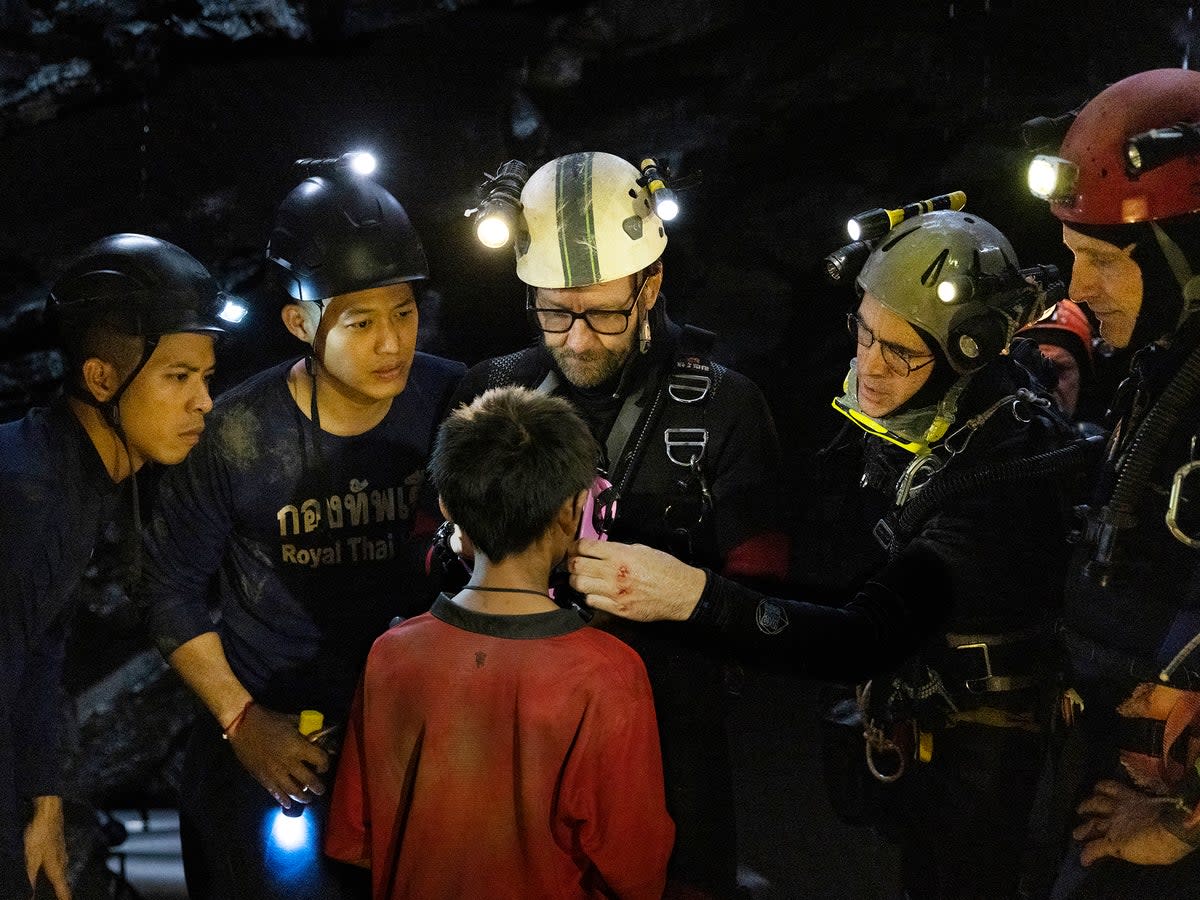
740	462
986	561
1130	605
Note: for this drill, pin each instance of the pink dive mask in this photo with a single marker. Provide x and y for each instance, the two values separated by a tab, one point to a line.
599	510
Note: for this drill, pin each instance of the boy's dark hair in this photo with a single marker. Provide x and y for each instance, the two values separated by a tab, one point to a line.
505	464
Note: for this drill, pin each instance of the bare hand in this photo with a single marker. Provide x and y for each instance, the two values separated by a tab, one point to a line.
1127	824
46	846
279	757
634	581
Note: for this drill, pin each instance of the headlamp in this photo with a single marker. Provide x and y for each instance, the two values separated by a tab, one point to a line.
875	223
232	312
357	162
844	264
1052	178
951	291
666	204
496	215
1030	291
1158	146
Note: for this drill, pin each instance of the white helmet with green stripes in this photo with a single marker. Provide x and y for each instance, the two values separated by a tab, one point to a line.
586	220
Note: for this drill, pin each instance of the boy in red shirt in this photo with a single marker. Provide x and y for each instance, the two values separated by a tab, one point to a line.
497	746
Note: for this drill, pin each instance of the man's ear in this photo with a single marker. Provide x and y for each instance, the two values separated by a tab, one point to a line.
653	285
100	378
298	322
445	512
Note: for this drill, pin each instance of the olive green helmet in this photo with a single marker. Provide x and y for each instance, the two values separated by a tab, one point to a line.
586	219
955	277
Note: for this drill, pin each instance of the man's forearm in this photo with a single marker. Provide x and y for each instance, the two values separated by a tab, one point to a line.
201	663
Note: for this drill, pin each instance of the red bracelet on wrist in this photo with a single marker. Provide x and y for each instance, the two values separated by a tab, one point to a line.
228	731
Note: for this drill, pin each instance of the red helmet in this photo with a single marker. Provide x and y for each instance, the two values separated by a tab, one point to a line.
1104	194
1065	317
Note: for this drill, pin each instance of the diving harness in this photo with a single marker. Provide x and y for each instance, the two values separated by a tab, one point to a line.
895	727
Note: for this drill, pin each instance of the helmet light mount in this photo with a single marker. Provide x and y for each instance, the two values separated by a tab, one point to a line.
866	228
654	178
500	205
1043	283
875	223
1043	132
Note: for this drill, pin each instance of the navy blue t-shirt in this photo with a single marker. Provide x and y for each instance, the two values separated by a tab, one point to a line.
307	543
57	496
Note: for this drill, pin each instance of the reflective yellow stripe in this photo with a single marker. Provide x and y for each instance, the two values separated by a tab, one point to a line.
866	423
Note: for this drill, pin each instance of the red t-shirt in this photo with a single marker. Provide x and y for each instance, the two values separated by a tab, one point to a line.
502	756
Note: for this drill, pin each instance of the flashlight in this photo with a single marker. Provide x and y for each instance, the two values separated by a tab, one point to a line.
845	263
1042	285
1052	178
496	215
1158	146
666	204
358	162
875	223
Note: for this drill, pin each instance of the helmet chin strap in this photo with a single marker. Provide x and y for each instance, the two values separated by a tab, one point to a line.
310	367
1177	261
643	320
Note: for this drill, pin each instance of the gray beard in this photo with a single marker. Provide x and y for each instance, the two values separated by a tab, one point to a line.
588	370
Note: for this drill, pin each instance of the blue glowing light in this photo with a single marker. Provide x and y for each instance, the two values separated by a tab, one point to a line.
292	834
293	853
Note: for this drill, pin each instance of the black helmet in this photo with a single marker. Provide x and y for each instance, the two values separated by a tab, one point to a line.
339	234
136	285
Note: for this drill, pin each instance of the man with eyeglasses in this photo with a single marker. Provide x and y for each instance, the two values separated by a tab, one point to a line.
961	487
688	444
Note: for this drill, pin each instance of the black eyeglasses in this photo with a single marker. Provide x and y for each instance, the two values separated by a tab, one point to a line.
553	320
898	359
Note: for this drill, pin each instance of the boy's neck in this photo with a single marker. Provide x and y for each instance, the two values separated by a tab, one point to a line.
521	583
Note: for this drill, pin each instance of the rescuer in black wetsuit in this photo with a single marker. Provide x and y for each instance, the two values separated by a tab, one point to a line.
952	640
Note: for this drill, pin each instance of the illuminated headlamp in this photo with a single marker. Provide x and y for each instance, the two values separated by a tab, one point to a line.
232	312
875	223
357	162
1041	286
666	204
496	215
1158	146
954	290
1052	178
